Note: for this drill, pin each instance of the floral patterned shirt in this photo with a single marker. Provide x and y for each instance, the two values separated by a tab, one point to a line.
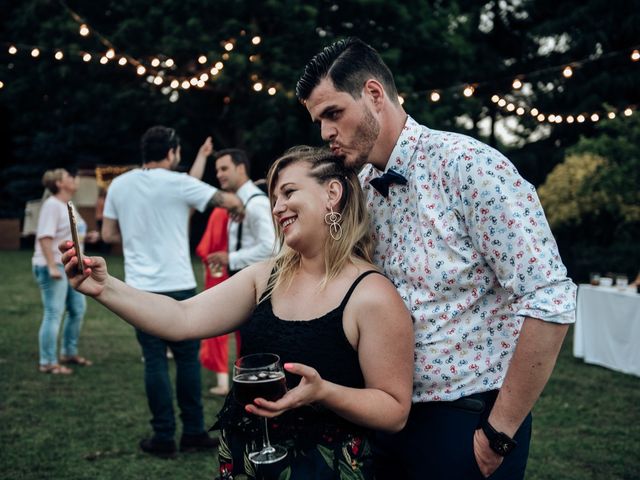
468	247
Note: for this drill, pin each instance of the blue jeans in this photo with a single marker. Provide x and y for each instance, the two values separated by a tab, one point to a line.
158	384
58	296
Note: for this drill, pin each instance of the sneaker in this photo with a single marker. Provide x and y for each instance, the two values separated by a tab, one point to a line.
162	449
194	443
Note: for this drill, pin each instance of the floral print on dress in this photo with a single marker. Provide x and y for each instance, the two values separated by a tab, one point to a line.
347	459
468	247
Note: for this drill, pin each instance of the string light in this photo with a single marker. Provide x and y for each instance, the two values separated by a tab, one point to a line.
35	53
400	99
185	85
158	80
554	117
228	45
1	84
257	86
175	83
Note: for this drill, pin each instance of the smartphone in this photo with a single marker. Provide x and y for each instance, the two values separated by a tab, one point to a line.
74	235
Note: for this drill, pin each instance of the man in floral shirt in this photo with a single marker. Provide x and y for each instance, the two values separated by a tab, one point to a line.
464	239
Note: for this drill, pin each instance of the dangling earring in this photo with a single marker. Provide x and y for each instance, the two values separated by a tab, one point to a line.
333	219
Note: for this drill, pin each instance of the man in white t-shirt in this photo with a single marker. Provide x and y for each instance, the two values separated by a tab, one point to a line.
148	210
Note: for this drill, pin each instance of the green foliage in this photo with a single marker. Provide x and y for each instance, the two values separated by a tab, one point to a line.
592	201
563	193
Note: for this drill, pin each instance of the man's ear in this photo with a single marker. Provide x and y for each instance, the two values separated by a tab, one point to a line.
375	92
334	193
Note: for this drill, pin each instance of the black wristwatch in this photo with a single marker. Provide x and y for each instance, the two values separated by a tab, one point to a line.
500	442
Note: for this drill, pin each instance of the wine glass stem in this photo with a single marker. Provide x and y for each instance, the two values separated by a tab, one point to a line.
266	444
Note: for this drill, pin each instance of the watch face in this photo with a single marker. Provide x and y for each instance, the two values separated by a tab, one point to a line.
502	444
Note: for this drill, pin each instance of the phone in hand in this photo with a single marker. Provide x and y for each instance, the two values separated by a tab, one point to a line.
74	235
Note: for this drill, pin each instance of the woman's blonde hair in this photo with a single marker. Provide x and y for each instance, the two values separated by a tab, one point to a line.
355	245
51	177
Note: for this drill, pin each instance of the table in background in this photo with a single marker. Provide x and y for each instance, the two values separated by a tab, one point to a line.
607	330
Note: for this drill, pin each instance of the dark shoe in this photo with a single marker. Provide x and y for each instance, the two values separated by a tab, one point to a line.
194	443
160	449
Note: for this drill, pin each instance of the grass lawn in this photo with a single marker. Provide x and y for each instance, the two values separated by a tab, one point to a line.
87	425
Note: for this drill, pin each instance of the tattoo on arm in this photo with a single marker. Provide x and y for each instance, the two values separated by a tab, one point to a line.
216	199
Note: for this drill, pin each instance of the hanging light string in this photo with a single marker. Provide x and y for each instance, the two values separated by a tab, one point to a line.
468	89
161	71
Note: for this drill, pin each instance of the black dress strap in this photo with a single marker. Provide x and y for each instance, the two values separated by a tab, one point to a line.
354	285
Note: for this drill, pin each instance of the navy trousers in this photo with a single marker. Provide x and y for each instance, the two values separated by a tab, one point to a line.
437	443
158	383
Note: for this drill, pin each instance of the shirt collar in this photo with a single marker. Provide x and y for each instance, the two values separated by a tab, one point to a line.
245	191
405	147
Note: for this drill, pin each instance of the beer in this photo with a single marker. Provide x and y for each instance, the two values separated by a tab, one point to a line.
262	384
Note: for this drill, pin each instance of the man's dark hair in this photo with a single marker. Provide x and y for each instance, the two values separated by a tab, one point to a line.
156	143
348	63
238	157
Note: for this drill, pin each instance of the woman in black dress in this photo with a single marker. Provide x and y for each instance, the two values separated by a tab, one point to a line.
340	328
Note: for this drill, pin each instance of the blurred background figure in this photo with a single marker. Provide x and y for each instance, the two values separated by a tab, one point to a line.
214	353
57	295
228	246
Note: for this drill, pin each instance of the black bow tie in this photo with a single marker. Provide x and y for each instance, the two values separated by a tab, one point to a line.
381	184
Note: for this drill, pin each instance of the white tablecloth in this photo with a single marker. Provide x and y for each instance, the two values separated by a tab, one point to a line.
607	330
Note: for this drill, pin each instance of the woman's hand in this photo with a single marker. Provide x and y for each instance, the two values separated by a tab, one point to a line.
54	272
93	280
309	390
92	236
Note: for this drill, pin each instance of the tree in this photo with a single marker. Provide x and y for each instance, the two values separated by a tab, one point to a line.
592	201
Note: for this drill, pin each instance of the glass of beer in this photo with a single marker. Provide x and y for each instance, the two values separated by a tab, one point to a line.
260	376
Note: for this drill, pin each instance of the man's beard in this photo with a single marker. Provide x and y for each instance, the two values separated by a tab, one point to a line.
364	139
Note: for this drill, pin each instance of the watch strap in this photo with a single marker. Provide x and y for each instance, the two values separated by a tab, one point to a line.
500	442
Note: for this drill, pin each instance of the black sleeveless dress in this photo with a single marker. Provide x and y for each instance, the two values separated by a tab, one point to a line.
320	444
